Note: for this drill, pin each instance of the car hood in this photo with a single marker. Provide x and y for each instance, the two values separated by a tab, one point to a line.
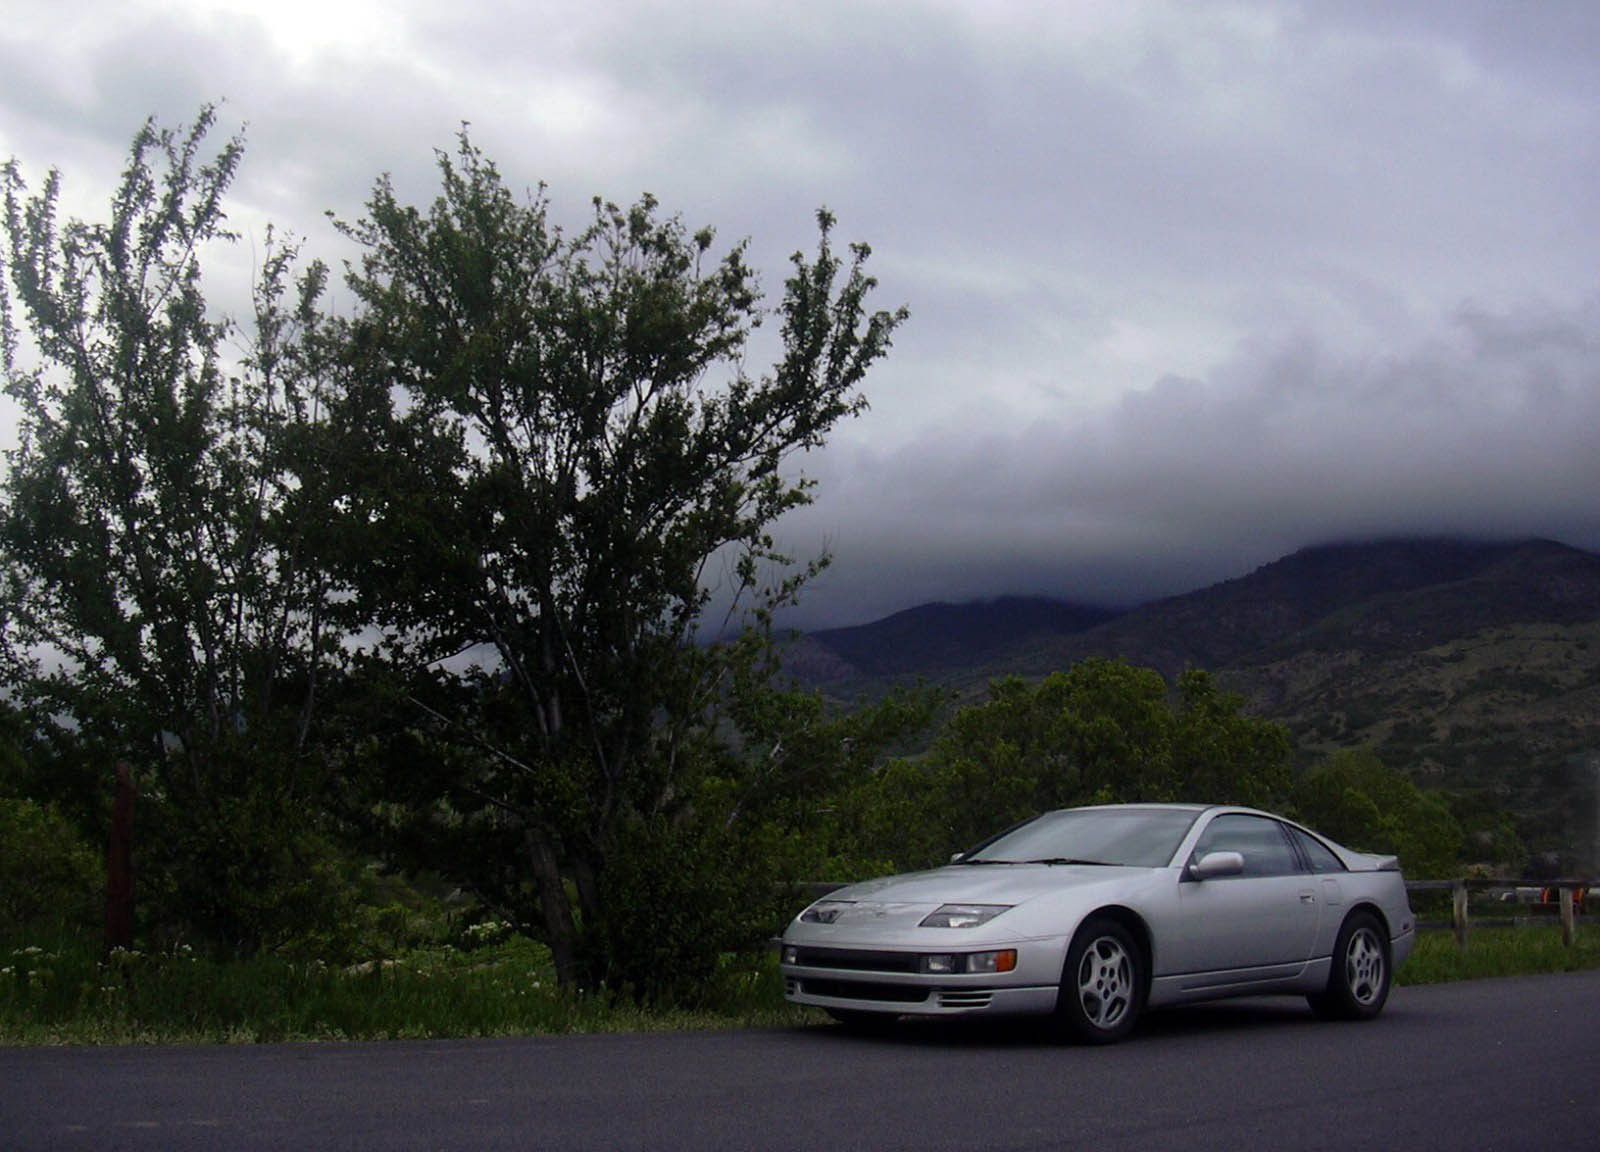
889	912
979	883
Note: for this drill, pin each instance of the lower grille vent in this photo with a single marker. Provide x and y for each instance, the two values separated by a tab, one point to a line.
977	998
859	990
858	959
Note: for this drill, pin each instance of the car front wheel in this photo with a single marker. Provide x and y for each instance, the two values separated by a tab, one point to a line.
1101	983
1358	984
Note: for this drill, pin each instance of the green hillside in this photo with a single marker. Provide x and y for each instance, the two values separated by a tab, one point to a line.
1470	666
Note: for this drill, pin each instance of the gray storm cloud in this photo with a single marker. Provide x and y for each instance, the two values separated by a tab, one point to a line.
1491	428
1186	277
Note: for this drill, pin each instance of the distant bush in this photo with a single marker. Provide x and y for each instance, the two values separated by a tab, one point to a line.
1359	802
1102	732
51	880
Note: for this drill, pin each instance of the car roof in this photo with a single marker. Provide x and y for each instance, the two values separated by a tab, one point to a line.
1145	807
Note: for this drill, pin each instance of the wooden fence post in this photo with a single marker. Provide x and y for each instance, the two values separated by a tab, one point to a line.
1568	927
1458	911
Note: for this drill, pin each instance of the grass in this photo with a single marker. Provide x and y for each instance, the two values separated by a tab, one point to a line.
1499	952
70	994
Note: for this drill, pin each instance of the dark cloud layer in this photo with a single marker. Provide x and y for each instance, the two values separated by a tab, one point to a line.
1491	428
1192	283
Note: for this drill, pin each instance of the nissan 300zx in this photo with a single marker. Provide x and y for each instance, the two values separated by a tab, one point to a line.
1095	914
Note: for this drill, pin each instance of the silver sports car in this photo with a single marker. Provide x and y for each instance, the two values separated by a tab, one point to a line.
1095	914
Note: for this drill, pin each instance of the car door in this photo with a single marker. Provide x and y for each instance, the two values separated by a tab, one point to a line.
1264	917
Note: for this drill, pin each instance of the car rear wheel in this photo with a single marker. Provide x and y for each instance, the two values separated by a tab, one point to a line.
1102	983
1358	983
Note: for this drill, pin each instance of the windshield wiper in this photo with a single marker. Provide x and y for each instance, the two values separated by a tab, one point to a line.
976	862
1073	860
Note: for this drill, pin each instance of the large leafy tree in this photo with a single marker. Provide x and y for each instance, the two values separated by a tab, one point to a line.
1101	732
572	471
1354	798
158	524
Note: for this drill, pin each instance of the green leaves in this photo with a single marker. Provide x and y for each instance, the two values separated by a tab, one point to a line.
50	879
1353	798
561	442
115	494
1220	754
161	516
483	515
1102	732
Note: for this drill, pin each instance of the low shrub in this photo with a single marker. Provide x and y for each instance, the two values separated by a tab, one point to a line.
51	881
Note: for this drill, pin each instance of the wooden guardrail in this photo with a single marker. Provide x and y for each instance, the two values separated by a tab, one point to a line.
1460	890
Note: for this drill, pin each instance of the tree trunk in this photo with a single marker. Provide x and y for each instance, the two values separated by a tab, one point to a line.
583	878
554	908
119	865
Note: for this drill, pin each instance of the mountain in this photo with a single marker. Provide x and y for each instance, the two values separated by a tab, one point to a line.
1373	598
934	639
1468	664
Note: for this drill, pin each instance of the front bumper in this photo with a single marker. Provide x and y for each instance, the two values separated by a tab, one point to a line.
887	981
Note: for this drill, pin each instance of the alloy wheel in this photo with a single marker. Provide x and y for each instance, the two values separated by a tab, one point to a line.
1105	982
1363	966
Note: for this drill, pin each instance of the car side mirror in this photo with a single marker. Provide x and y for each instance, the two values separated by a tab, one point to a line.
957	857
1215	864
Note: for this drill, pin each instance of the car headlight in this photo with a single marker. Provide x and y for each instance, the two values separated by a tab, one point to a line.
1004	961
825	911
963	915
950	964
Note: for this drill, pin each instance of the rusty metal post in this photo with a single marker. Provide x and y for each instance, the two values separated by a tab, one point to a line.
1458	911
119	864
1568	924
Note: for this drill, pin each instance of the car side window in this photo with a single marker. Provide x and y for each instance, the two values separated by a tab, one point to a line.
1260	841
1319	855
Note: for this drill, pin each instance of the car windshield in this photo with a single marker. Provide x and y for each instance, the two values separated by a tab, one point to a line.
1140	837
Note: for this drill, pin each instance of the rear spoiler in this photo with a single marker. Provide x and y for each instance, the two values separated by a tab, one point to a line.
1361	861
1367	861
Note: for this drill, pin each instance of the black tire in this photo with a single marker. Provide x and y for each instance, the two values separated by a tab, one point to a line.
1358	981
866	1023
1102	984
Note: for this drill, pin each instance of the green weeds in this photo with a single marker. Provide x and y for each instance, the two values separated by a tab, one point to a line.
70	994
1499	952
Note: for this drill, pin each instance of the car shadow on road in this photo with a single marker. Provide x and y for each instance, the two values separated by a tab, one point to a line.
1224	1016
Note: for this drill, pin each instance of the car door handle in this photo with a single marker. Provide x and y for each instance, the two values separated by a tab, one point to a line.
1308	897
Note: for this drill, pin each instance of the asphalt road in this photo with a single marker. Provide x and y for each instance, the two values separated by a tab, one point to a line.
1501	1064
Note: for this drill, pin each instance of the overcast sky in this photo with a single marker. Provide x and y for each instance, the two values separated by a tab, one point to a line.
1192	284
